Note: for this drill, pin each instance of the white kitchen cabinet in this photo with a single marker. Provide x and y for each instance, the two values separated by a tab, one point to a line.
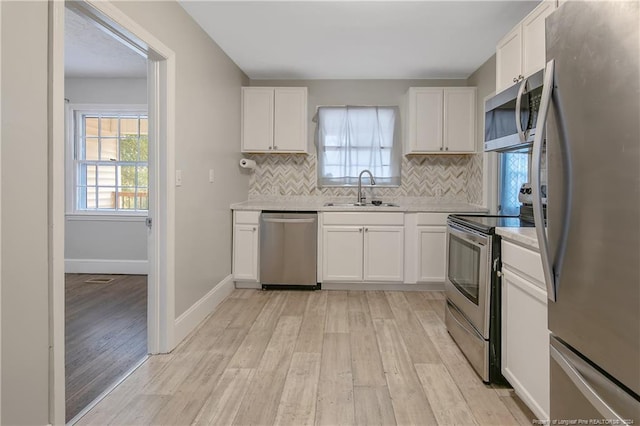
383	254
274	119
441	120
343	253
525	337
432	253
521	52
246	232
363	247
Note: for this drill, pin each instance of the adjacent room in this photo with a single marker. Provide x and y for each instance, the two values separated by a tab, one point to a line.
106	208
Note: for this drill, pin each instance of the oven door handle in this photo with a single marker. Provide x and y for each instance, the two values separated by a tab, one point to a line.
476	239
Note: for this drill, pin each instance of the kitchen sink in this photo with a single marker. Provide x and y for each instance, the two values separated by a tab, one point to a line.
360	205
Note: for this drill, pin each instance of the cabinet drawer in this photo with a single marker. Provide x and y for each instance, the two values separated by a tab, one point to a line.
248	217
523	260
355	218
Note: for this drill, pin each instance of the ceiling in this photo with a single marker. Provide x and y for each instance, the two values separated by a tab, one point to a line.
358	39
321	39
91	52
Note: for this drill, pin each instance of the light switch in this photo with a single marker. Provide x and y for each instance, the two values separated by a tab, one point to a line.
211	175
178	177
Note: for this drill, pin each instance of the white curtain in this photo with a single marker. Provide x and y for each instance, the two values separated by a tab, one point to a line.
354	138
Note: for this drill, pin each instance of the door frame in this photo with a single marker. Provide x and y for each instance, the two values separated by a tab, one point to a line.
161	235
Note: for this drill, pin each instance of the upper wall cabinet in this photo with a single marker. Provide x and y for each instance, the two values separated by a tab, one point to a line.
441	120
521	52
274	119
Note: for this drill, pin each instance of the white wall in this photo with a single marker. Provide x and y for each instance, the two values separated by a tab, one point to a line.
207	137
98	244
25	305
106	90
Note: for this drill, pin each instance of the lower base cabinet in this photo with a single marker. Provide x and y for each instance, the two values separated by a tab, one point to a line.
432	253
246	233
363	247
525	336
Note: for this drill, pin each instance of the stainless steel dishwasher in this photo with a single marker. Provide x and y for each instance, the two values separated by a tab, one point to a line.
288	250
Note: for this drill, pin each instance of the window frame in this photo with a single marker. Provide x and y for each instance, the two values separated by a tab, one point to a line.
73	111
395	150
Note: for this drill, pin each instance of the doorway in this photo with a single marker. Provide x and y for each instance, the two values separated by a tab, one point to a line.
159	226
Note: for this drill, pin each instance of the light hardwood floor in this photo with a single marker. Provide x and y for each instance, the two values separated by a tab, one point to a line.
305	358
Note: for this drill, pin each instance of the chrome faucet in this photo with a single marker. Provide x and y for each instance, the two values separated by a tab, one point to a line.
361	198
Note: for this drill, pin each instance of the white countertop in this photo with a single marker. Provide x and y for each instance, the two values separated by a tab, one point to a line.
524	236
409	204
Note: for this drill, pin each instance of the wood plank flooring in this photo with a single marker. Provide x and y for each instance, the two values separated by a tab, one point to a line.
105	334
313	358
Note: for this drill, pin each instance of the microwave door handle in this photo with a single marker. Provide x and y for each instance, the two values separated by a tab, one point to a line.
521	90
538	214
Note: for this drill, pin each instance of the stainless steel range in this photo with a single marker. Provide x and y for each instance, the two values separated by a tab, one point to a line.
472	287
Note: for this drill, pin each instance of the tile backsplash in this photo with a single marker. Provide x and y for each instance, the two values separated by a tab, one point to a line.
450	177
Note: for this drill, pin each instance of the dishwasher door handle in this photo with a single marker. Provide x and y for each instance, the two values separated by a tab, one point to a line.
273	220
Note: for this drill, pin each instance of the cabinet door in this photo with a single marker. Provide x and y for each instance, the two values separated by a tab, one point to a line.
460	119
525	341
384	253
426	120
290	125
342	253
257	119
245	252
509	59
432	253
533	38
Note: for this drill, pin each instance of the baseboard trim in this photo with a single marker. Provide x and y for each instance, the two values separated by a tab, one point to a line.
192	317
384	286
106	266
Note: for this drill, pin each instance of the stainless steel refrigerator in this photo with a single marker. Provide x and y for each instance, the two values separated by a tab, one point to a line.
591	250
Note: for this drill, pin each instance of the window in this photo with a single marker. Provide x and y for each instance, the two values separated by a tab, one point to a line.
110	161
354	138
514	171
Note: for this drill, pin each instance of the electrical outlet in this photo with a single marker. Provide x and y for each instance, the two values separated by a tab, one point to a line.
211	175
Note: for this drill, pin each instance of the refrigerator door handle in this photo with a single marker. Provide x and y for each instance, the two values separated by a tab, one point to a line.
523	88
538	214
572	366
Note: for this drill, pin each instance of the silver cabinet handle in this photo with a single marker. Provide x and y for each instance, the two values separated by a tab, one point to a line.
446	149
440	148
270	147
366	229
254	229
538	213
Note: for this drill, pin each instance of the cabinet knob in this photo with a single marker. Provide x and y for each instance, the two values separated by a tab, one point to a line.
446	149
515	79
270	147
254	229
360	230
366	229
275	147
440	148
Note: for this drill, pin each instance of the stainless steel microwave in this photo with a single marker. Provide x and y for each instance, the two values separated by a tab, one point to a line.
510	116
